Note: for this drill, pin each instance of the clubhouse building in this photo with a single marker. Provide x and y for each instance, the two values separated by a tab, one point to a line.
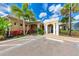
49	26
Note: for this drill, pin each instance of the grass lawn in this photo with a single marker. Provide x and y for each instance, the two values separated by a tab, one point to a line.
74	33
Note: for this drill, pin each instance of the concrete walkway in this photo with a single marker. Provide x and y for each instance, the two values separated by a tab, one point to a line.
64	38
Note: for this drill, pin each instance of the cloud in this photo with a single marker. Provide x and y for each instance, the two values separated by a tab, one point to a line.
58	8
42	14
54	16
2	14
7	8
51	8
4	9
55	8
76	17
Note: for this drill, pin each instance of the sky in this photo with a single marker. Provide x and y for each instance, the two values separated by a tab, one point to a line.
42	11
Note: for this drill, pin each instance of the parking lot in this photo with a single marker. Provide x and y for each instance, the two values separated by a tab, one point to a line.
38	46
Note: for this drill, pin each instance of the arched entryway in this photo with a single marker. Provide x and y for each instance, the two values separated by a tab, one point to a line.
50	28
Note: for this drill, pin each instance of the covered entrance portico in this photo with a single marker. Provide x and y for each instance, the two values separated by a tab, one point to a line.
51	26
33	26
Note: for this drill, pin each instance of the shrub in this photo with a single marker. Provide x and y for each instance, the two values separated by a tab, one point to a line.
1	37
4	24
40	31
16	33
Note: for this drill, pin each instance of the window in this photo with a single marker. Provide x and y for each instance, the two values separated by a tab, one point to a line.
20	24
15	23
26	25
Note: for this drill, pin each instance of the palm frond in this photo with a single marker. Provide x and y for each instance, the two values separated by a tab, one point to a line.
16	10
24	7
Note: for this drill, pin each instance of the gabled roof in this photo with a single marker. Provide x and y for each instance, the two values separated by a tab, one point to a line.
27	21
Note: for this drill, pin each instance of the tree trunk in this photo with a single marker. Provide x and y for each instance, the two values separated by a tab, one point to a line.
28	27
24	27
9	29
70	20
67	26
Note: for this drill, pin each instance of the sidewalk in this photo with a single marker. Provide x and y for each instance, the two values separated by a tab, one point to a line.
64	38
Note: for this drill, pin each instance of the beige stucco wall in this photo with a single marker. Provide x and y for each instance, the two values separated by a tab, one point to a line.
17	26
18	22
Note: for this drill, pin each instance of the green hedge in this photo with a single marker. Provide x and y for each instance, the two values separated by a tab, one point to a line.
40	31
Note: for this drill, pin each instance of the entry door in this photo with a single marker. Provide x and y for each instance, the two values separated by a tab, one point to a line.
50	29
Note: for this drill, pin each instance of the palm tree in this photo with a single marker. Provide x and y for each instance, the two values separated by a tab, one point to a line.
23	13
65	20
67	10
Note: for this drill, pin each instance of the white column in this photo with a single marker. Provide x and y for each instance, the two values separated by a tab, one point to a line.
46	29
57	29
54	28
